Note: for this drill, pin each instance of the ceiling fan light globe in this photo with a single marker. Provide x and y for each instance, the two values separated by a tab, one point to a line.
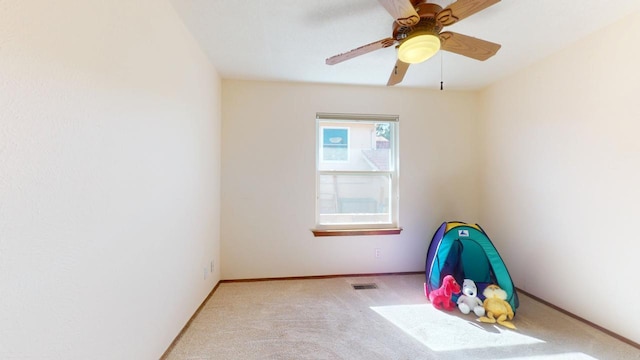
418	48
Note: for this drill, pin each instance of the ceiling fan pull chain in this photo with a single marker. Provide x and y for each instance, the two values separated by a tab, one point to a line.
441	72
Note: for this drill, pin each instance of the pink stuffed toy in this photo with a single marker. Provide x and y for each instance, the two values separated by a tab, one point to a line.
441	297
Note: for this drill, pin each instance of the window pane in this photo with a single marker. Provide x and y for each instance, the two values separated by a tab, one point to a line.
354	199
335	144
355	146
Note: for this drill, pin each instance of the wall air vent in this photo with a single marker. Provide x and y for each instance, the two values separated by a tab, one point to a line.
364	286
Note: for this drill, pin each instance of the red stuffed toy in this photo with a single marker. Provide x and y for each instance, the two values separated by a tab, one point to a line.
441	297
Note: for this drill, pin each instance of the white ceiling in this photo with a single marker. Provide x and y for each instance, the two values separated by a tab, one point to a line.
289	40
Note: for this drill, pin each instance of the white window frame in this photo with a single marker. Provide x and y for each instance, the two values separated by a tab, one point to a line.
393	172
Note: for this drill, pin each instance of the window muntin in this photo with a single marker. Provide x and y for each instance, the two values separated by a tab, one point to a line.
357	186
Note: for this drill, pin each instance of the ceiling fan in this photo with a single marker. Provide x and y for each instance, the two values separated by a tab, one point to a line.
417	32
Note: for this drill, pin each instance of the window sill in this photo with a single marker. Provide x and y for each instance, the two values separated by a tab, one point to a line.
354	232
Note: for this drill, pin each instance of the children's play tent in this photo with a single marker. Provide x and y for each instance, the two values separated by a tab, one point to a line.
466	252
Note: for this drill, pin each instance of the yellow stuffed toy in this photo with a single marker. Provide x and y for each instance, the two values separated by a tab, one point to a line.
497	308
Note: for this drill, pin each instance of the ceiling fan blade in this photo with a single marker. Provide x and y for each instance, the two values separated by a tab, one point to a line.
401	10
398	73
462	9
468	46
360	51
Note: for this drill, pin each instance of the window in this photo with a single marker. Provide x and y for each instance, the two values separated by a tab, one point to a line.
356	174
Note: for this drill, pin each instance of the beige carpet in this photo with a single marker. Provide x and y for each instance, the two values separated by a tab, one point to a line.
328	319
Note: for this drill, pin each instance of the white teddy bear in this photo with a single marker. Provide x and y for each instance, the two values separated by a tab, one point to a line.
469	299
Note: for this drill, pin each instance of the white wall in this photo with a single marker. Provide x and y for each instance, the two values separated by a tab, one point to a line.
268	177
561	176
109	178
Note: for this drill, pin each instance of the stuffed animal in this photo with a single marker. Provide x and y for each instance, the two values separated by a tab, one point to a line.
469	299
497	308
441	297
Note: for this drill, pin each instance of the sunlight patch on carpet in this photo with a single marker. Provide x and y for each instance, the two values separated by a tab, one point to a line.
565	356
441	331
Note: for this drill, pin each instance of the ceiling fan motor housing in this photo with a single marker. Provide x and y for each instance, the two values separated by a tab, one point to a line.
428	23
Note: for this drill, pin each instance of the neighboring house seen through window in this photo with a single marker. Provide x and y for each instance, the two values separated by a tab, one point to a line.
356	173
